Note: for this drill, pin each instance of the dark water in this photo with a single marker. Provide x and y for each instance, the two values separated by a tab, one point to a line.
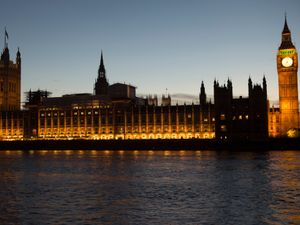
102	187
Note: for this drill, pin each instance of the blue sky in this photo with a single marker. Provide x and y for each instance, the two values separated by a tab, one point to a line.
154	45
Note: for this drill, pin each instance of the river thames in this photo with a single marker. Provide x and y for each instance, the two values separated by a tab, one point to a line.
149	187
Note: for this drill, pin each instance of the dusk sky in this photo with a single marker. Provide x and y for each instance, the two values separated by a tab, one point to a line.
154	45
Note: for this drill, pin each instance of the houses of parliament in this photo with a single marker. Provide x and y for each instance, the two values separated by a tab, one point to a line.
114	111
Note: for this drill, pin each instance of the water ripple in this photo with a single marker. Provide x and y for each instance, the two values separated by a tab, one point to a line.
166	187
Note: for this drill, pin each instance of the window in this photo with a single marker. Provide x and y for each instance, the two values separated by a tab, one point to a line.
223	128
222	117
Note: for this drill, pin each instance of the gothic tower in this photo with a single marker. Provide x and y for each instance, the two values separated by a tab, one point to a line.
287	67
10	80
101	84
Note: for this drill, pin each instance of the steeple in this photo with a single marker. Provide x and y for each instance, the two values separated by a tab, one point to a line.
286	29
286	39
101	84
101	71
18	57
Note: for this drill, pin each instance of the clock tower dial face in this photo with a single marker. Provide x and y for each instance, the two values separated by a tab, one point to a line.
287	62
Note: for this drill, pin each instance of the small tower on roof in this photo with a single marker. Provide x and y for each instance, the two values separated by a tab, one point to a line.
101	84
202	96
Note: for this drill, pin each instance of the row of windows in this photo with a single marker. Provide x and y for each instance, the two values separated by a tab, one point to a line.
121	118
12	87
11	131
75	133
44	111
109	121
236	117
129	114
127	136
130	129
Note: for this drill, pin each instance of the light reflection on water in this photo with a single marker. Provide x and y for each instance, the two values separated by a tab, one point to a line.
149	187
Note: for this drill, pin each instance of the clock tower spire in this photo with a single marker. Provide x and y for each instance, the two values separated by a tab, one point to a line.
287	68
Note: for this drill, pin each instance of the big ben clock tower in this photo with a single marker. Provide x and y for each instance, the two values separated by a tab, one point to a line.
287	67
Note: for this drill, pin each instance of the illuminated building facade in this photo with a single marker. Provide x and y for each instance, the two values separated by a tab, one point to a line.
124	122
115	113
284	121
12	125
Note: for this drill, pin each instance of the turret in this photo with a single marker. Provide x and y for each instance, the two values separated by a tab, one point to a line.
229	87
5	56
249	86
18	58
265	85
229	84
202	96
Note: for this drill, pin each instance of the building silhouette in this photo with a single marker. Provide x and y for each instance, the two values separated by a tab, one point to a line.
241	118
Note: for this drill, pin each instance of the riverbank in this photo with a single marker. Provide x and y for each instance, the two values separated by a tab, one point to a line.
160	144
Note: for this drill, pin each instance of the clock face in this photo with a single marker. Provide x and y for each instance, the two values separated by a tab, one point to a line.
287	62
